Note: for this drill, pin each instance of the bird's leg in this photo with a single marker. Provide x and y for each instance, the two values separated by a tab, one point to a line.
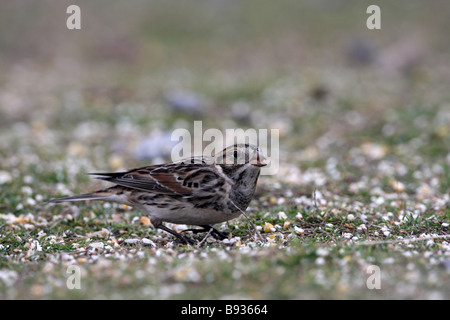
176	234
220	235
215	233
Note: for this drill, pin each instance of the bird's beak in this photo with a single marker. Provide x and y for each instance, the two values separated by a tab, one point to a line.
258	159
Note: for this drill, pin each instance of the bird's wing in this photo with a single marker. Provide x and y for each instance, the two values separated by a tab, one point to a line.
175	178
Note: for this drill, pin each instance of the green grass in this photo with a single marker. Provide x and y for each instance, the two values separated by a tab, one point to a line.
320	262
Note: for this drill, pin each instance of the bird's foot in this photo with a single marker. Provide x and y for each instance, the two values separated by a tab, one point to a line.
219	235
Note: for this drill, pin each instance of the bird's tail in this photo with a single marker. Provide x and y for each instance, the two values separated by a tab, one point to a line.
98	195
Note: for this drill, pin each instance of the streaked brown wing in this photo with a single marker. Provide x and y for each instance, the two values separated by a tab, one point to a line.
178	178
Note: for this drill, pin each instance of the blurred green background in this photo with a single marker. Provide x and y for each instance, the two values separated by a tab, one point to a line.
301	66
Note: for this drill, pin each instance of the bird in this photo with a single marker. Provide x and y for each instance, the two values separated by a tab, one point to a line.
198	191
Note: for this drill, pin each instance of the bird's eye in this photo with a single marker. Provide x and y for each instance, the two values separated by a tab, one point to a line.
235	154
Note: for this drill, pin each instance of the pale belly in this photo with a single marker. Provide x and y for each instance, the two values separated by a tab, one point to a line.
192	216
181	212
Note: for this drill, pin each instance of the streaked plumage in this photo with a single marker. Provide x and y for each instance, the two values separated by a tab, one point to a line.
197	191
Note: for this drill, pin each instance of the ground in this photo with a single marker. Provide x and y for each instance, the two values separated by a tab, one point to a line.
360	206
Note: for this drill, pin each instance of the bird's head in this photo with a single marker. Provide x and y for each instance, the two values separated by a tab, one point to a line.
240	154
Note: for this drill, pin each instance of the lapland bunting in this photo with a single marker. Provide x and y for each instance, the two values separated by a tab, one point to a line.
198	191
